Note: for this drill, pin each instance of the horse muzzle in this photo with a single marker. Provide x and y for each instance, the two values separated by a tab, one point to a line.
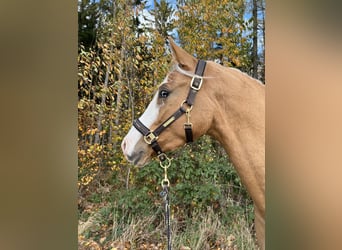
138	155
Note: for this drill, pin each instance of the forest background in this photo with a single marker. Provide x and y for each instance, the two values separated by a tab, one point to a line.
123	57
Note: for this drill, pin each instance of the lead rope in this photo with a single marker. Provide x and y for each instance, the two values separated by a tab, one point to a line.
165	163
151	137
166	197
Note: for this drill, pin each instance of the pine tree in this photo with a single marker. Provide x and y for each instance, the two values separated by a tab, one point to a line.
87	22
163	17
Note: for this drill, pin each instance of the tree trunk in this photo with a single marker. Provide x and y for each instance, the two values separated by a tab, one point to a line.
103	103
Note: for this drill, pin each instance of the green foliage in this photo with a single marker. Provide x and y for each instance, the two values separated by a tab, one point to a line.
135	201
200	176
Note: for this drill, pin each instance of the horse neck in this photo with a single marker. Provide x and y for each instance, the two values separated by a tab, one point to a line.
239	125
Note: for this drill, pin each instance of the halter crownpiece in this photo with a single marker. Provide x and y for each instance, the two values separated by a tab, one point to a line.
151	137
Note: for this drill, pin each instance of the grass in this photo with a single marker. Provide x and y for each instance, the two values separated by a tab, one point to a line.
106	229
207	231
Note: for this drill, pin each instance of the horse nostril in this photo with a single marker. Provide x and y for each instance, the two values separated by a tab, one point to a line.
123	145
135	157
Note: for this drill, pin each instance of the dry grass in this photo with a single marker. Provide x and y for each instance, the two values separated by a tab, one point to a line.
201	232
207	232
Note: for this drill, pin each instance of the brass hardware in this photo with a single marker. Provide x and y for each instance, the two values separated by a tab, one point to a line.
187	125
189	107
194	82
167	123
150	137
165	182
166	163
188	115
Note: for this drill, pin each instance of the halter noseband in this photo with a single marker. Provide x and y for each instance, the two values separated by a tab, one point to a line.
151	137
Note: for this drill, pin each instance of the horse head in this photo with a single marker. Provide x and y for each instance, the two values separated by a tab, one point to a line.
170	97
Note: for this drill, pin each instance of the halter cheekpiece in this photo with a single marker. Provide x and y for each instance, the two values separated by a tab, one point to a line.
151	137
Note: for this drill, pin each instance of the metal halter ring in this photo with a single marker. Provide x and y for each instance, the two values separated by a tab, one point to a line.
165	163
188	109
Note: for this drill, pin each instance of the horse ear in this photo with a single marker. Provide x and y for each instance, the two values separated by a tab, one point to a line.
183	58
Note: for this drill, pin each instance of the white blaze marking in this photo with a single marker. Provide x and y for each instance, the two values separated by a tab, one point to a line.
148	118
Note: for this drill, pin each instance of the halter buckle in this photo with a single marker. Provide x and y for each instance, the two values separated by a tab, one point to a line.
196	83
150	137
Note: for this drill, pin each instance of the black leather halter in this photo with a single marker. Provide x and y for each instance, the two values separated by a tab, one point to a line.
151	137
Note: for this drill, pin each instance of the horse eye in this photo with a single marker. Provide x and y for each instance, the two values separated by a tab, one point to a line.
163	93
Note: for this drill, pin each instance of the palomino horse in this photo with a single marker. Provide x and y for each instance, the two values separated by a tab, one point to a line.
229	106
